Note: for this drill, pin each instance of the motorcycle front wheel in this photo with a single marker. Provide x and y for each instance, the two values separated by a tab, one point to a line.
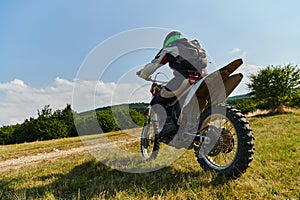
232	141
149	139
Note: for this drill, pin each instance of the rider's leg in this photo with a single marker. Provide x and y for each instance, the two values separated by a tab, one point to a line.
171	92
164	115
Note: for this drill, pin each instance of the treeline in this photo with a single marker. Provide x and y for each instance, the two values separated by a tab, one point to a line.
66	123
109	119
249	103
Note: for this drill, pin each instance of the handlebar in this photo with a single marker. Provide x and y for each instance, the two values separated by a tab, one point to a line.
156	81
155	78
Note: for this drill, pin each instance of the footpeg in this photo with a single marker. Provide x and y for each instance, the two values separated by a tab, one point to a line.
200	138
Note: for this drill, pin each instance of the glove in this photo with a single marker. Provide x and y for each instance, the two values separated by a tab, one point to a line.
148	70
142	75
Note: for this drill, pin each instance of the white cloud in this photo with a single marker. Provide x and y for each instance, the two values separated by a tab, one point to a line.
13	85
21	101
92	94
234	50
18	101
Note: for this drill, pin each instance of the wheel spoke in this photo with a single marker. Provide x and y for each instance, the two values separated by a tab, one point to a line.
228	131
224	157
220	121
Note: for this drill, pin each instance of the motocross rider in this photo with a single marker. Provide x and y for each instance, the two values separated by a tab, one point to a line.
188	60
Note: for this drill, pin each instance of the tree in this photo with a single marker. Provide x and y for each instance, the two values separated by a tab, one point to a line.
46	112
296	99
246	105
6	134
26	132
138	118
68	118
275	85
106	121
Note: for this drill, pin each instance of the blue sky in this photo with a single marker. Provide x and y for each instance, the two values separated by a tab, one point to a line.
43	43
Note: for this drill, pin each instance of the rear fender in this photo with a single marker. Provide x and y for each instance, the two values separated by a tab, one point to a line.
219	91
212	89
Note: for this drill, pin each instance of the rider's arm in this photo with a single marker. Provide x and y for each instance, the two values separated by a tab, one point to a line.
159	60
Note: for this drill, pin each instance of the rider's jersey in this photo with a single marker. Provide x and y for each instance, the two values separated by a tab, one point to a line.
180	58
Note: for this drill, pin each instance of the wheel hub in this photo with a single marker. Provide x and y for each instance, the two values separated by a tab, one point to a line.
227	141
214	148
221	140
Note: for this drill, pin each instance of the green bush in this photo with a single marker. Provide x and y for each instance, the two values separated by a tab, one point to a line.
276	85
6	134
246	105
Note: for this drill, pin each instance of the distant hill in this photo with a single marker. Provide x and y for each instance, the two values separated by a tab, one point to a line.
139	107
235	99
111	118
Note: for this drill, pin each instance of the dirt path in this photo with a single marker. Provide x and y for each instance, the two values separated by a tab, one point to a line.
27	160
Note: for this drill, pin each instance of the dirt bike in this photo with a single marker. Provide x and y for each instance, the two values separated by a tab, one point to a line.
221	137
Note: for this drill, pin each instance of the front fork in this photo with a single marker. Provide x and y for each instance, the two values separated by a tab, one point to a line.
150	115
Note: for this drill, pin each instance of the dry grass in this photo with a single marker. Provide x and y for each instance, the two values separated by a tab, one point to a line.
280	110
274	173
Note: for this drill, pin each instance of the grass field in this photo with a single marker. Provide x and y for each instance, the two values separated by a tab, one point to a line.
274	173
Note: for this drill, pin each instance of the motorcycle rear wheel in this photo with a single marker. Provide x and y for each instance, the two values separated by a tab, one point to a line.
233	146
